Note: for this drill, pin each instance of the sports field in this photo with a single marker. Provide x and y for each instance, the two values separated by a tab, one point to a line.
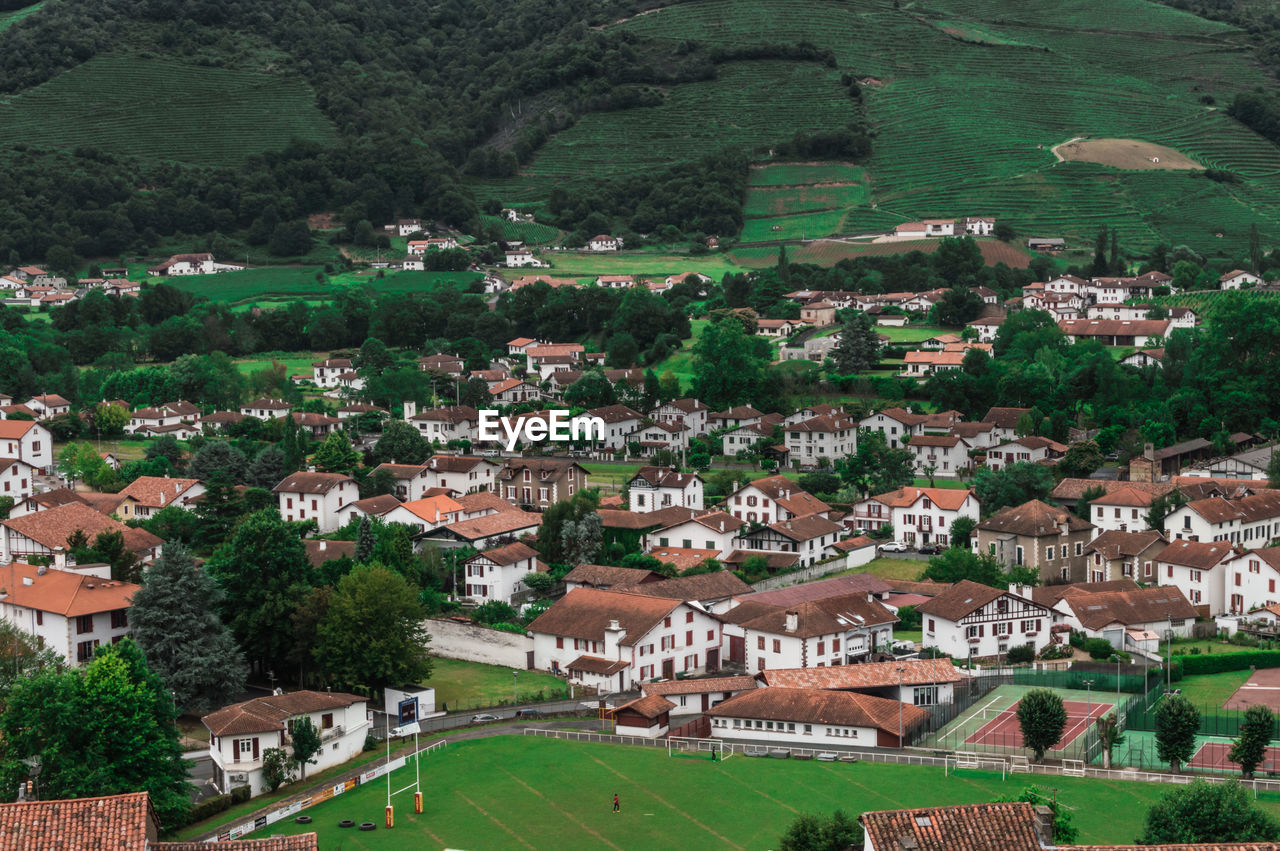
991	724
1004	728
523	792
1138	750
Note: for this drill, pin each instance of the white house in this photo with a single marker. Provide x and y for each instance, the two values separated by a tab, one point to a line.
48	405
1250	521
411	479
1197	568
620	422
602	242
1031	448
519	257
315	496
1130	618
1250	578
325	372
830	436
944	453
923	514
1121	510
688	412
969	619
266	409
614	639
811	538
498	574
655	488
842	630
185	264
70	611
742	438
426	514
714	530
694	697
1237	278
658	436
896	424
461	473
17	479
772	498
241	734
815	718
979	225
147	495
919	682
457	422
45	533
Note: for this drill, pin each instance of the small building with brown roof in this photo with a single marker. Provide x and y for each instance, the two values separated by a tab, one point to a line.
241	733
648	716
606	577
1124	555
693	697
147	495
1198	569
815	718
654	488
315	496
896	424
321	550
772	498
1006	826
650	636
714	592
1038	535
1133	619
484	532
1005	422
498	573
920	682
1247	521
828	631
970	619
462	473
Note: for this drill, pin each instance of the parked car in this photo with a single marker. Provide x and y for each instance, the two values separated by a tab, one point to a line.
483	718
895	547
929	550
528	713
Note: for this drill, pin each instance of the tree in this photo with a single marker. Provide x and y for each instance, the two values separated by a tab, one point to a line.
728	364
266	470
1208	812
1161	507
876	468
123	738
290	239
959	305
1249	749
859	346
219	456
306	742
955	564
1081	459
80	460
173	617
1273	470
1177	722
364	540
1042	718
374	358
836	832
263	570
581	538
401	443
551	539
335	455
277	768
1082	507
1012	485
622	350
1110	735
961	530
373	601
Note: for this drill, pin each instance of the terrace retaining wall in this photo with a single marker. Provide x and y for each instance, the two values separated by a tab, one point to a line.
474	643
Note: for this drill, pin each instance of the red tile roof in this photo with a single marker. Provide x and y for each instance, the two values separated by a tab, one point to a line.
650	706
586	613
125	822
697	686
53	526
819	706
263	714
969	827
868	675
949	499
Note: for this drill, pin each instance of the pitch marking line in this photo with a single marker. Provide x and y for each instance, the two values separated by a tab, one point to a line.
517	837
563	812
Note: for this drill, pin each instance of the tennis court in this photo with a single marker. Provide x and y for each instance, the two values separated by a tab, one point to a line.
1214	755
1004	729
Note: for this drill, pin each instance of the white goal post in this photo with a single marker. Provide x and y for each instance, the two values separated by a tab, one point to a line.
715	748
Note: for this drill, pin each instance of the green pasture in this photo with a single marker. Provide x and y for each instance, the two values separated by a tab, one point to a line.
800	226
643	263
531	233
796	174
288	282
163	109
525	792
467	685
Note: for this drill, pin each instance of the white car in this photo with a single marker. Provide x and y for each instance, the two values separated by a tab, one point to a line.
894	547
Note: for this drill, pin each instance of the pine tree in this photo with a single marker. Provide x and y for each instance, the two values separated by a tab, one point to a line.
294	446
1255	250
859	346
364	540
174	620
1099	267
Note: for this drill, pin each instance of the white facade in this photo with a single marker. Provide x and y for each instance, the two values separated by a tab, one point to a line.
1236	280
1250	530
946	455
480	477
772	650
691	534
320	507
27	441
896	433
814	735
602	243
1005	622
1111	517
830	437
643	496
238	759
1250	582
74	636
922	516
17	480
486	580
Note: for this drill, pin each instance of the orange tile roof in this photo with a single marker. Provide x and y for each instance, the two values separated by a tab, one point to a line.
586	613
650	706
124	822
949	499
157	491
697	686
819	706
432	508
64	592
867	675
52	527
13	429
494	524
1002	826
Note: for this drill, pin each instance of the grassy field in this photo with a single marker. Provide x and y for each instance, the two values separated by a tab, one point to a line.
294	363
1205	646
494	793
1212	689
680	362
1049	74
289	282
650	263
829	252
890	568
801	200
8	19
161	109
528	232
464	685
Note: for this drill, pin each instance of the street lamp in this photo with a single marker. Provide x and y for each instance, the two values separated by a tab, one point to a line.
515	686
1088	685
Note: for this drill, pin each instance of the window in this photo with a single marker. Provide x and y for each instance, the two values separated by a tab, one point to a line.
925	696
760	642
835	645
559	642
711	635
688	617
84	650
932	626
84	623
1018	558
822	648
39	618
1048	553
777	645
120	619
667	621
688	638
1237	579
1079	548
1170	571
326	721
241	746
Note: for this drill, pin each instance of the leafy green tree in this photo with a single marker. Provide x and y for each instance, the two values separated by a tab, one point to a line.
219	456
1080	459
174	620
728	364
277	768
374	358
266	470
336	455
1177	722
364	540
957	563
1250	747
306	742
263	570
961	530
1064	832
836	832
581	538
290	239
959	305
622	350
79	460
1082	507
592	390
373	601
494	611
875	467
1110	735
1208	812
25	656
123	738
1162	506
1011	485
551	538
859	346
110	419
540	583
1042	719
401	443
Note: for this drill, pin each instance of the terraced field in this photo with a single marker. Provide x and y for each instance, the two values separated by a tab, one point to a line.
528	232
162	109
829	252
968	96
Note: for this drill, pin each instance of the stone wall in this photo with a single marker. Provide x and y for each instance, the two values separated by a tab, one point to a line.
472	643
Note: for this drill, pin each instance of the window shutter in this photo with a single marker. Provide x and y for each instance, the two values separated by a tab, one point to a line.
981	630
255	748
235	750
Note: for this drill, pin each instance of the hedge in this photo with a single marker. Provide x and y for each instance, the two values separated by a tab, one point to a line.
209	807
1216	663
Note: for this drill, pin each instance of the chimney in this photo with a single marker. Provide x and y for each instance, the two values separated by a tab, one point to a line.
59	558
27	580
721	525
410	408
907	842
1044	825
1149	451
792	622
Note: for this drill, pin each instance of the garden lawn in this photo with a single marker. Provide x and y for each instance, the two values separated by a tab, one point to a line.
1205	645
941	483
467	685
294	363
1212	689
524	792
611	477
890	568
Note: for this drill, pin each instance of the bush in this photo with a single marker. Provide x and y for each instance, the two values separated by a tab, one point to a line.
1216	663
240	794
210	807
1021	653
1098	648
369	742
1056	651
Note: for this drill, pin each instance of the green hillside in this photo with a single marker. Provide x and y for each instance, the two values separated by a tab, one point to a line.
163	109
968	98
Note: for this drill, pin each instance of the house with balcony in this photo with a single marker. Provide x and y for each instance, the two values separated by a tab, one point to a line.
842	630
688	412
918	515
829	436
939	454
655	488
970	619
240	734
772	498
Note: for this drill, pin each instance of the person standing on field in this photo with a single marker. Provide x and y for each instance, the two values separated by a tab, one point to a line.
616	807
